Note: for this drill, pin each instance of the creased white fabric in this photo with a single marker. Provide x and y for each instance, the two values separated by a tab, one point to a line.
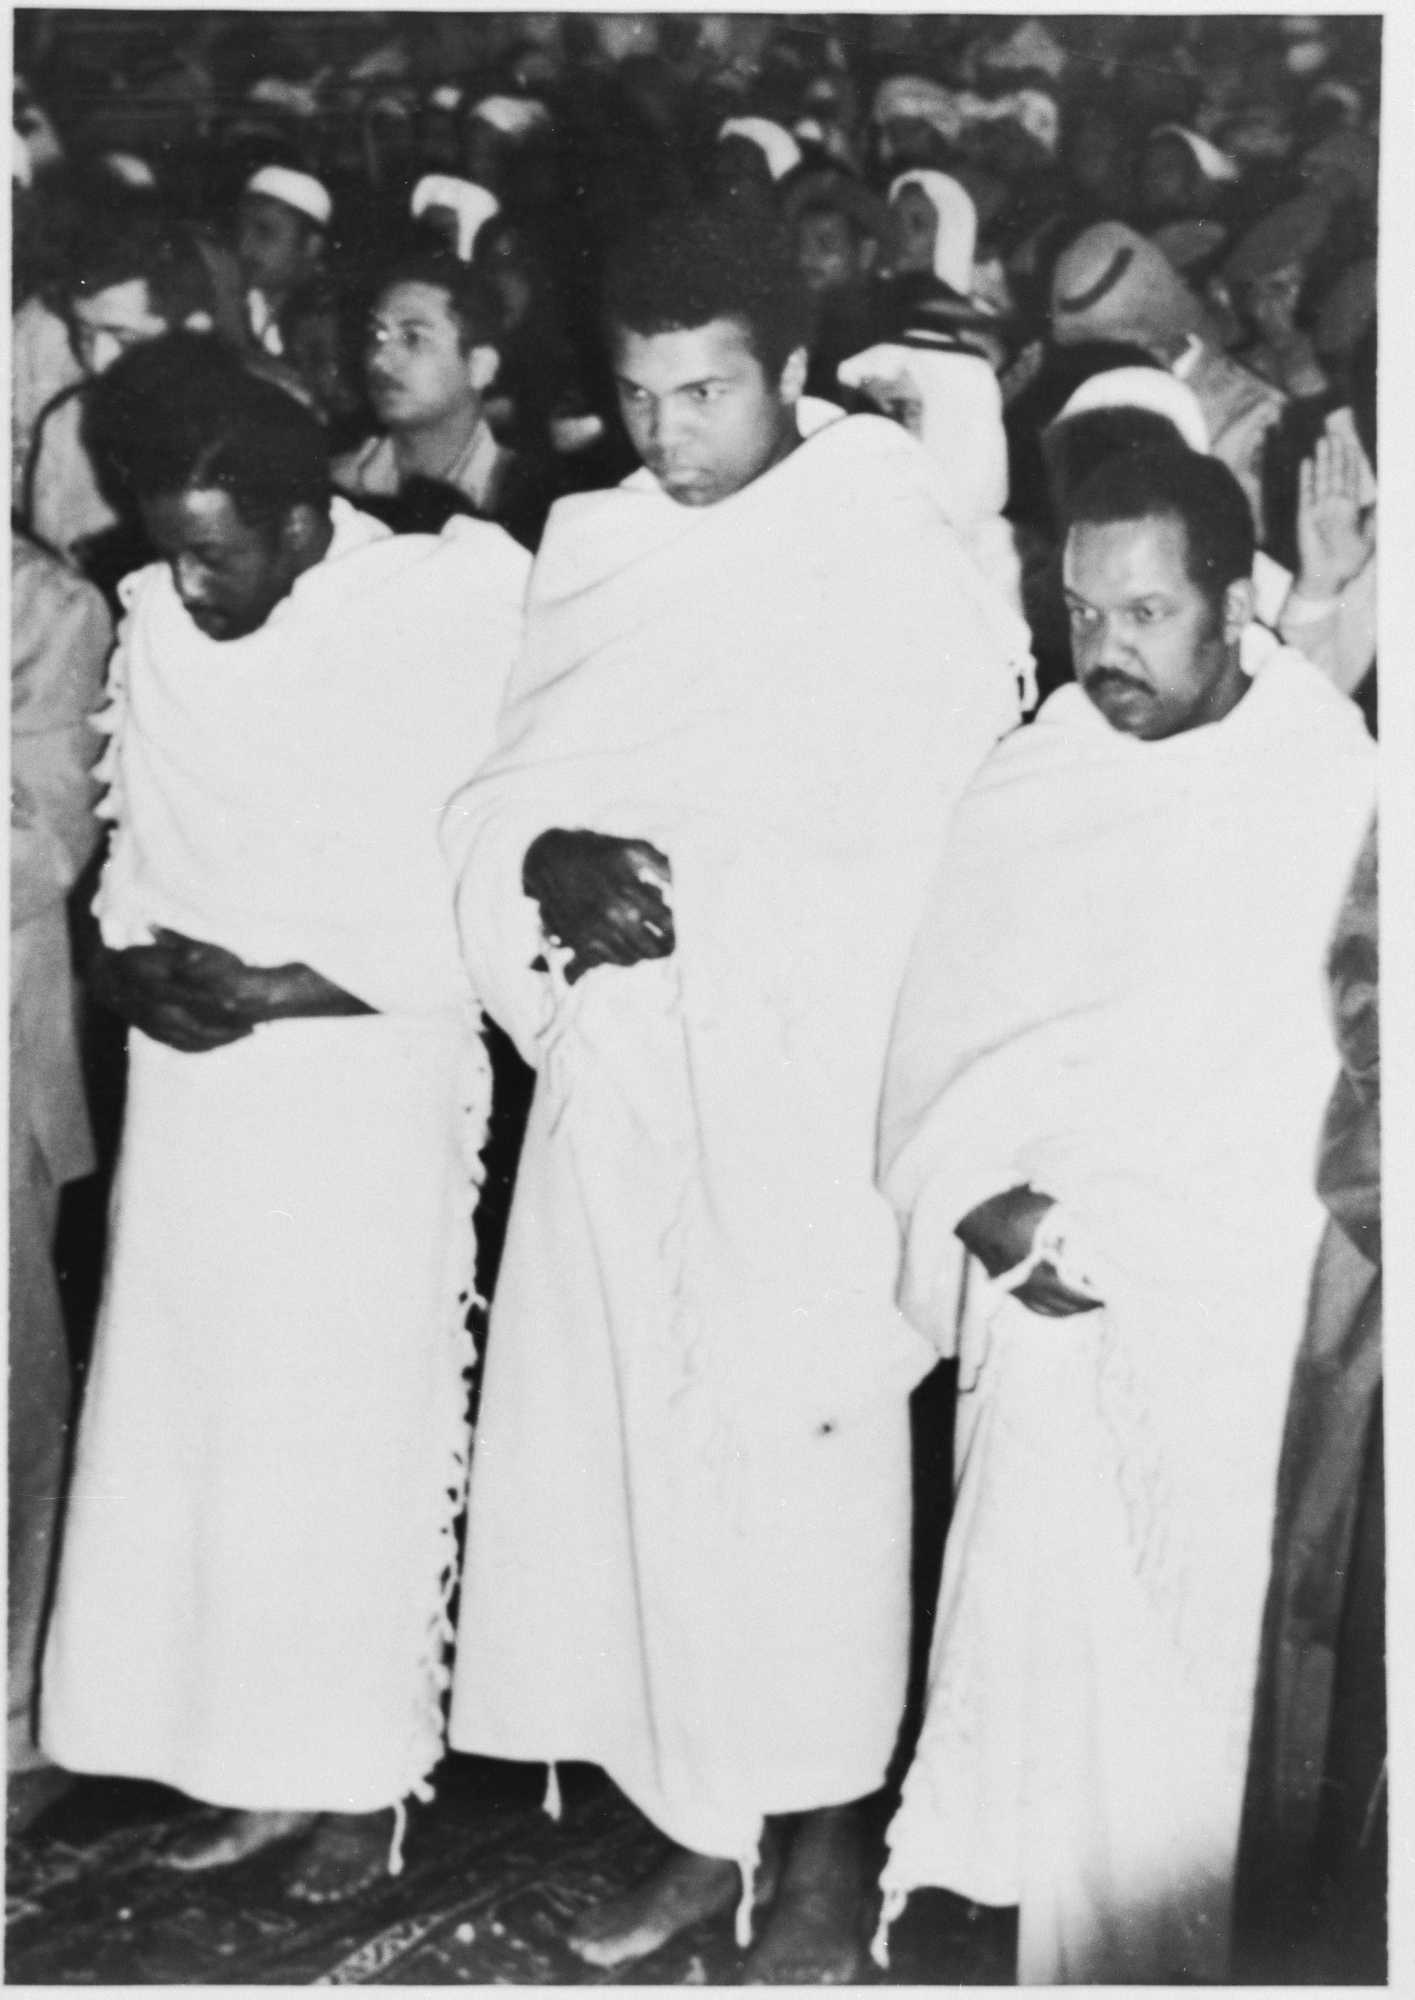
279	794
694	1320
1116	996
252	1603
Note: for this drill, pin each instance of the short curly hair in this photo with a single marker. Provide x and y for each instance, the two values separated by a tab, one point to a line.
1174	483
182	414
686	266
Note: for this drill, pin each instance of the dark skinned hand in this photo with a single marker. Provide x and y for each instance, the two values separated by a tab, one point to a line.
251	994
146	986
600	896
999	1233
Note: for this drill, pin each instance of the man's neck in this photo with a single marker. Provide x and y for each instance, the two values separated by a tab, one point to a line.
431	450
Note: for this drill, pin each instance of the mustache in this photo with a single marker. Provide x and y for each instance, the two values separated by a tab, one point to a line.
1103	677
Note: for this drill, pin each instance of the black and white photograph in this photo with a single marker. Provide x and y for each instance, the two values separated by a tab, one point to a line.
695	1038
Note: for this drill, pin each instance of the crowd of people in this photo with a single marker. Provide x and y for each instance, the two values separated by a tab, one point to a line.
812	582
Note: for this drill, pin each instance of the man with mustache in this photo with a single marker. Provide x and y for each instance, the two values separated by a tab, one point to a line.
1101	1107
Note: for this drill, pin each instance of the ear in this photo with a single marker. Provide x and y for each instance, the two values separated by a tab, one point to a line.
198	322
1239	602
483	366
793	375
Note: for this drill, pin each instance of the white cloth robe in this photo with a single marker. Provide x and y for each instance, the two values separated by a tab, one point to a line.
1116	996
252	1597
689	1527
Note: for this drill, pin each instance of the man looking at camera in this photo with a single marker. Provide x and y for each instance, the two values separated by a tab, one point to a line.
1102	1105
757	676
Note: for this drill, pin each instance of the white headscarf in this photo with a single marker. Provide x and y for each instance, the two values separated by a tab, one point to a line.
1212	164
957	224
472	205
961	418
774	141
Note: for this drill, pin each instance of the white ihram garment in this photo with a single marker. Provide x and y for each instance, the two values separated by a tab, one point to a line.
251	1604
1117	998
688	1558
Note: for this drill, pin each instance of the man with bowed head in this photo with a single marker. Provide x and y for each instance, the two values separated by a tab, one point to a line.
251	1603
757	676
1102	1103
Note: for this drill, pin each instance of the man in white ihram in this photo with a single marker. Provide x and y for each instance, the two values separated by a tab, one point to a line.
757	676
260	1542
1106	1086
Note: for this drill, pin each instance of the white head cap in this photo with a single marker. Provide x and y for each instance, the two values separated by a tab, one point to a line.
514	116
1153	389
130	169
297	190
472	205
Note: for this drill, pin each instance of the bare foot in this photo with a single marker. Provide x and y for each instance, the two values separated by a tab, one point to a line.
683	1891
220	1839
816	1932
346	1854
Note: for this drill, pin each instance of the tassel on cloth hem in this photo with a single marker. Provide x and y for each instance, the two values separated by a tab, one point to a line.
890	1910
551	1804
400	1828
748	1863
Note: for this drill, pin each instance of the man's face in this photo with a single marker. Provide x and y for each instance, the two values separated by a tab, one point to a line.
915	230
414	359
276	246
1166	178
229	575
830	254
702	412
1150	650
107	323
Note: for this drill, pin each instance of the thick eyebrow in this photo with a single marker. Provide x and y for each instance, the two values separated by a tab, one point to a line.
410	318
1074	597
705	382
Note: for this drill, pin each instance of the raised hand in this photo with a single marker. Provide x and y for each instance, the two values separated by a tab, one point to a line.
1333	540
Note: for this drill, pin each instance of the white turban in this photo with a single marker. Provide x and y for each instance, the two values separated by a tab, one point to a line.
773	140
472	205
301	192
957	224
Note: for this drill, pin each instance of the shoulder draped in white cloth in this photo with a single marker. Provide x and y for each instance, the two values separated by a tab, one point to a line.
252	1599
1116	997
695	1343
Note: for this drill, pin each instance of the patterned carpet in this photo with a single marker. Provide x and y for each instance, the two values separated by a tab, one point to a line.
489	1888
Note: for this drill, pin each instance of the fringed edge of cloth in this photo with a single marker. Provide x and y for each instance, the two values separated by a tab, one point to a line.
748	1863
890	1910
453	1450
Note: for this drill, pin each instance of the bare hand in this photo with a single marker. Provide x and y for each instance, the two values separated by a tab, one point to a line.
253	994
147	988
999	1232
1333	543
600	896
